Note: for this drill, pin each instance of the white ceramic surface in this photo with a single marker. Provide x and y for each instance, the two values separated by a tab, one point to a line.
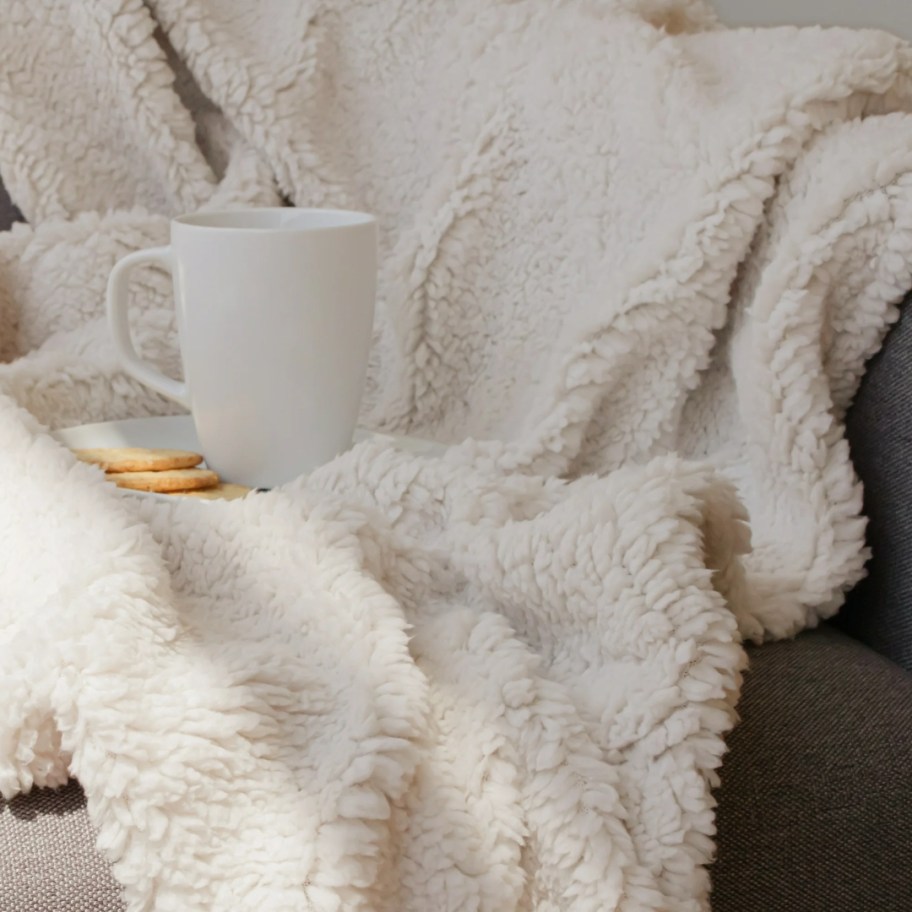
178	433
274	314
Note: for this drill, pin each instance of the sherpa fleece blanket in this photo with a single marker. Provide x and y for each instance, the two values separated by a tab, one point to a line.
632	266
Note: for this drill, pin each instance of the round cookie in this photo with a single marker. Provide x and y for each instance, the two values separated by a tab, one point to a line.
167	481
224	491
138	459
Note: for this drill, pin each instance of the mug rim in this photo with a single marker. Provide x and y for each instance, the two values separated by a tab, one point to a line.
232	219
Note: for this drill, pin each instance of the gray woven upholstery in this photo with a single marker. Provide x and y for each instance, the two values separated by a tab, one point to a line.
879	611
8	211
815	808
48	861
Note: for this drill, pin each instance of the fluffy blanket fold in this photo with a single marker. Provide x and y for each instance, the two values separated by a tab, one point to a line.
633	266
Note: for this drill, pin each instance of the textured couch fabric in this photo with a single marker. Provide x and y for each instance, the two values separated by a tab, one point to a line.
815	808
48	861
8	211
879	611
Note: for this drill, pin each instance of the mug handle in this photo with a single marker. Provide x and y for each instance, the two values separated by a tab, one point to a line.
117	301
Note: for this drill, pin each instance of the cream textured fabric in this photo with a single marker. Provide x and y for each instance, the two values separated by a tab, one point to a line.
633	264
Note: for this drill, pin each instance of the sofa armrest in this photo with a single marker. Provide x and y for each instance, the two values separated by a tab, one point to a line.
815	808
879	428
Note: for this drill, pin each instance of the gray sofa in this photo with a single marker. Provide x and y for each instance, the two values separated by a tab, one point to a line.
815	806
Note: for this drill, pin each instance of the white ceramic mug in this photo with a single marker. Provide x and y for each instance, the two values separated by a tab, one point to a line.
274	314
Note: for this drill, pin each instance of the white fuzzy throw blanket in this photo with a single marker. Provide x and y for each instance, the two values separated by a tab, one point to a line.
632	266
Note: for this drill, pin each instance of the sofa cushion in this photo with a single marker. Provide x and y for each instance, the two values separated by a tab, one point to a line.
48	860
879	426
815	808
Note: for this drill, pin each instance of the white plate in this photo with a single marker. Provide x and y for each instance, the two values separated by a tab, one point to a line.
178	433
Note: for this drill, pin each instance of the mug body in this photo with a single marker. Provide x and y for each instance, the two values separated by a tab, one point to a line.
274	311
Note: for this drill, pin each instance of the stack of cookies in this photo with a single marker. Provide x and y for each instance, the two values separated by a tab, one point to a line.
160	471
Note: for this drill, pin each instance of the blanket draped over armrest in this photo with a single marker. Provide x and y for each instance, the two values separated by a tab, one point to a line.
632	265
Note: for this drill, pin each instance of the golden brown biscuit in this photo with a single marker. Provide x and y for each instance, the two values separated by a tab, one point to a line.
219	492
139	459
166	482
